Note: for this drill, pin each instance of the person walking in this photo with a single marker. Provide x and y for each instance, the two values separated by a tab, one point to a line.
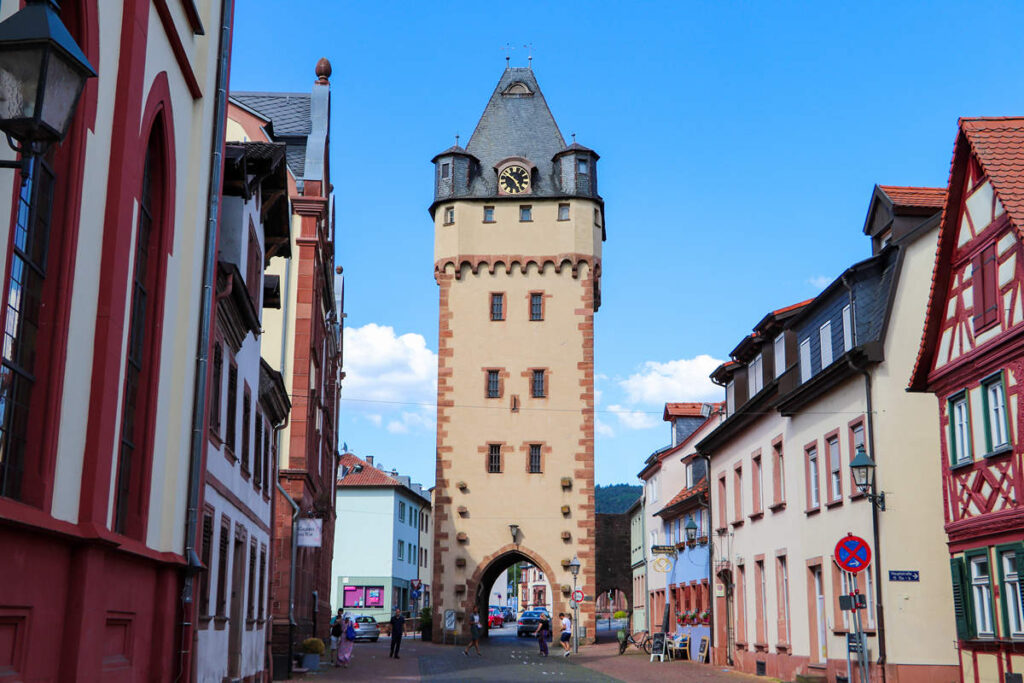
543	633
566	633
337	630
345	643
397	629
474	636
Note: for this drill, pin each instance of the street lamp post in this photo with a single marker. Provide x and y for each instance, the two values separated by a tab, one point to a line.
42	74
574	567
863	468
691	530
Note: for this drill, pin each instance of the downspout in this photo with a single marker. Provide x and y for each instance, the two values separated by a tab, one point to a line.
199	408
711	575
291	571
879	610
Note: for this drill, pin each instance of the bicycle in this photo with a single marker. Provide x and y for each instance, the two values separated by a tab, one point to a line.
641	639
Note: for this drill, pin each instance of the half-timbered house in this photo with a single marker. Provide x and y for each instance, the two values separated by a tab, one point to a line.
972	358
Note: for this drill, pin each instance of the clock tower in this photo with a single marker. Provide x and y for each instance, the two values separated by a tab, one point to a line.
518	229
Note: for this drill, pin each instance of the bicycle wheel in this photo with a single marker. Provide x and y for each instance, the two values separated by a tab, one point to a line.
646	645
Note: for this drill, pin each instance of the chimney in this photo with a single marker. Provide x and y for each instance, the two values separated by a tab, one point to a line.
369	459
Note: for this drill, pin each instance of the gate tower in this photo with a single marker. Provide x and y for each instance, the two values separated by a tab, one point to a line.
518	229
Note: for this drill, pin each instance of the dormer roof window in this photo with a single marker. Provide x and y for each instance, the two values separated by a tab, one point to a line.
517	89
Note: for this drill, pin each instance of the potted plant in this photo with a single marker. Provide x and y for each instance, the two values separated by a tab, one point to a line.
426	623
312	648
705	617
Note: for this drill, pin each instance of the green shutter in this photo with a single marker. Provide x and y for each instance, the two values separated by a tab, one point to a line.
1018	559
961	606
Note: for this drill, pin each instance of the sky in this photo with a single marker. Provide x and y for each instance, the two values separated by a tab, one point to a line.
739	141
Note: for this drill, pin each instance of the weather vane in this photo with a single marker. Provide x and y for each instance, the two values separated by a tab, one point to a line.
507	49
529	51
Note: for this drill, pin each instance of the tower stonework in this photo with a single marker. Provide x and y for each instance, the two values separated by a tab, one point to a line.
518	230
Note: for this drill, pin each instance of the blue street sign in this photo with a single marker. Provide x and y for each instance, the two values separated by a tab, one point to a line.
904	575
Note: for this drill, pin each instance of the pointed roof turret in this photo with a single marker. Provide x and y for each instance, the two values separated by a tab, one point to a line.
516	123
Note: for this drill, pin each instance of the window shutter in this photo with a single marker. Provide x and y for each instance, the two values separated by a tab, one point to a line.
964	617
1018	559
988	268
978	291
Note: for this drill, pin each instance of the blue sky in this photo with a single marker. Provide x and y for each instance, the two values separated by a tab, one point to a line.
739	146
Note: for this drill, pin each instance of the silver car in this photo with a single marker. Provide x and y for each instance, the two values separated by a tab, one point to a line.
366	628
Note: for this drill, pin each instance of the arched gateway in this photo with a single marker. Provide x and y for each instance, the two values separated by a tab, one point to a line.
518	228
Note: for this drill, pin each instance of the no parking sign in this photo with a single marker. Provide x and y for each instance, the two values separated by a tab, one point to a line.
853	554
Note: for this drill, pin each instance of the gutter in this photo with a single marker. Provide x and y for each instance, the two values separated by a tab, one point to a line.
199	409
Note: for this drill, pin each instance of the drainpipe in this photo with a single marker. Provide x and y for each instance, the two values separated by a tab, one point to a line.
291	579
879	610
199	409
711	576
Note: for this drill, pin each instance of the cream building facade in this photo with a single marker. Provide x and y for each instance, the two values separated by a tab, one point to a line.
518	233
811	384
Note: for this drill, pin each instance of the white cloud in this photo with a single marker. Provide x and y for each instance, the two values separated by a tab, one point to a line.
597	396
634	419
382	367
685	379
818	281
603	428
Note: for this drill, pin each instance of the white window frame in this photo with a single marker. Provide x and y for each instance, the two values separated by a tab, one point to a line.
835	468
779	349
981	595
730	397
563	212
996	413
1011	594
805	360
689	475
825	338
401	511
401	550
755	376
847	328
960	418
813	475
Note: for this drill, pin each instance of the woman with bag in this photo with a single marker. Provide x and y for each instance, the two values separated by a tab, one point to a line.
345	644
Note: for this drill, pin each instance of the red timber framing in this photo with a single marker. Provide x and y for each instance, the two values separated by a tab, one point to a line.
973	348
56	597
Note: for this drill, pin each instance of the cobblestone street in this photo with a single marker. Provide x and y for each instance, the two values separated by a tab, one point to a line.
511	659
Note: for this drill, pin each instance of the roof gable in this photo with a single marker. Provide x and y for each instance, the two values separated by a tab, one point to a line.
997	146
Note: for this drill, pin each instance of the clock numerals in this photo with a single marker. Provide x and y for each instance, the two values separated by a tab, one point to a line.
514	179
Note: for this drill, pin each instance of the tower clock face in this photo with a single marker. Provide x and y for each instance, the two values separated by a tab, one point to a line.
514	180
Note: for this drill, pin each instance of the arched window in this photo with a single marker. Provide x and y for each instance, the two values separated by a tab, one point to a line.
135	446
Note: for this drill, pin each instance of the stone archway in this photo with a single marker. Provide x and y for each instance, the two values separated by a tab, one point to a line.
494	565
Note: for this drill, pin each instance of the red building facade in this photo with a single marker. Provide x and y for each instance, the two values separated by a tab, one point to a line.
972	359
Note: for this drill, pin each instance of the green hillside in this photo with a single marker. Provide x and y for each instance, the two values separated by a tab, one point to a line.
615	498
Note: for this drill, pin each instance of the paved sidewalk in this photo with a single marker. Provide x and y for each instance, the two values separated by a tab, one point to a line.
635	667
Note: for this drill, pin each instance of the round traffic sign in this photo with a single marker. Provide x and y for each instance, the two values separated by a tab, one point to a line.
853	554
577	595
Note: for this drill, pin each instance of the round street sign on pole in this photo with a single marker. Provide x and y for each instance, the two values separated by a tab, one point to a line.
577	596
853	553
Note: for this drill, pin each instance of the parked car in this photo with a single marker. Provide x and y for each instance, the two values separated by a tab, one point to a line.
366	628
495	619
509	614
527	623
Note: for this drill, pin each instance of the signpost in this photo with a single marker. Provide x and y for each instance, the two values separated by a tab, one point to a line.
854	555
904	575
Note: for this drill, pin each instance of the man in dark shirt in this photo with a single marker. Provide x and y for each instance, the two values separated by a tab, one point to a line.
397	629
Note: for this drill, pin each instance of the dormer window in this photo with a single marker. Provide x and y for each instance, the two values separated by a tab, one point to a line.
755	376
517	89
446	170
582	166
730	397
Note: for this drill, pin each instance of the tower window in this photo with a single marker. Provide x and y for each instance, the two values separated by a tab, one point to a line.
537	386
563	212
449	215
497	306
488	214
582	166
525	214
493	384
597	217
534	458
494	458
536	306
446	170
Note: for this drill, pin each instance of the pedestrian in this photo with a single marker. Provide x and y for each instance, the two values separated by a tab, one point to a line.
345	644
474	636
566	633
337	629
543	633
397	629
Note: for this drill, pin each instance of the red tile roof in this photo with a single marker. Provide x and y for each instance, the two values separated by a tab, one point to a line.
368	476
915	197
998	145
683	410
685	494
787	309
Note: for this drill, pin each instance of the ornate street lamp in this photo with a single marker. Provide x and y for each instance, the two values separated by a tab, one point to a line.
691	530
42	74
863	469
574	569
514	530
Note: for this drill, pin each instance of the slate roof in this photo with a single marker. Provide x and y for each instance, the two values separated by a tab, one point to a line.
290	121
516	125
915	197
998	145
